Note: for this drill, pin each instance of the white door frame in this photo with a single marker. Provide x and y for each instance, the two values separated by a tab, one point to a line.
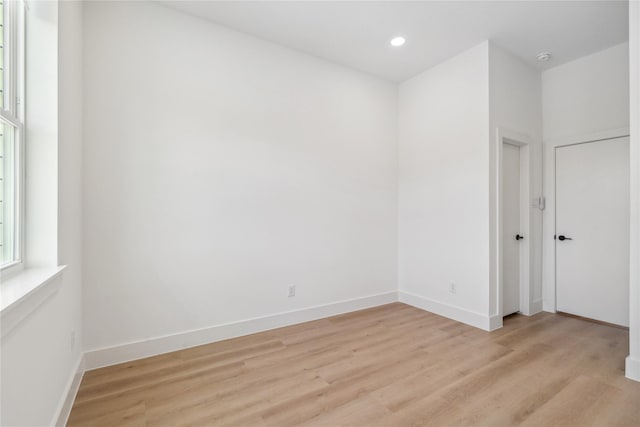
506	136
549	287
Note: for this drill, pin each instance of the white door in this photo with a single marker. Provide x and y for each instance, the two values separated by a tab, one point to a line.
511	235
592	230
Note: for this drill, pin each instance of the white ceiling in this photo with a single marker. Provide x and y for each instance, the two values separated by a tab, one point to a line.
357	33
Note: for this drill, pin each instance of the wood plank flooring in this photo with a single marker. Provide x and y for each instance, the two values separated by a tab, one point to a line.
393	365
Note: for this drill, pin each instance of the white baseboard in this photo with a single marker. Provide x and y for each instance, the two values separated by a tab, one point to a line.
152	347
495	322
632	368
536	307
64	408
488	323
548	307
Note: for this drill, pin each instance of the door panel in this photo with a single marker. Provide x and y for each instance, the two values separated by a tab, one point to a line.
592	209
510	228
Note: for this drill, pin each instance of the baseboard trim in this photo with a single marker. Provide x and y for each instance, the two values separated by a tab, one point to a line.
495	322
549	307
536	307
64	408
478	320
632	368
137	350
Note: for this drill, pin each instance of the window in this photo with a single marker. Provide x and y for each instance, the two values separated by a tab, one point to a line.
11	131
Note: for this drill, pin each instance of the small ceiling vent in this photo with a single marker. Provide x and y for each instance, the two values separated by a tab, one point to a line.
544	56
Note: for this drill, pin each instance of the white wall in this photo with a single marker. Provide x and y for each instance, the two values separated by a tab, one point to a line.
581	100
633	361
587	95
219	169
516	108
39	361
444	187
449	117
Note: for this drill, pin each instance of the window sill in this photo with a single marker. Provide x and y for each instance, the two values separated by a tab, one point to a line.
22	293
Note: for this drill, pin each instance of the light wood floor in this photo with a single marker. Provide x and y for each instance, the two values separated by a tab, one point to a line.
392	365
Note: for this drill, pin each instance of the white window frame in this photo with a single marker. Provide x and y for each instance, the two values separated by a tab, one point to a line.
13	115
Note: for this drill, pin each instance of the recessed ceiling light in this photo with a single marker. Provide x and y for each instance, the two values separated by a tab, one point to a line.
544	56
398	41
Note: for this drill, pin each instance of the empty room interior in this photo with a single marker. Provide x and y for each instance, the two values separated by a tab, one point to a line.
319	213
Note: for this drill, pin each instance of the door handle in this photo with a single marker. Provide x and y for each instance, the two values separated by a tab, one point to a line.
519	237
561	238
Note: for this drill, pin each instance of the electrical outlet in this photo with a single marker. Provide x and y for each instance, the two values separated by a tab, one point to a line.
452	287
292	291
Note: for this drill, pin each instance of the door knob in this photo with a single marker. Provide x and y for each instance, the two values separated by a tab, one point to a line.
561	238
519	237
